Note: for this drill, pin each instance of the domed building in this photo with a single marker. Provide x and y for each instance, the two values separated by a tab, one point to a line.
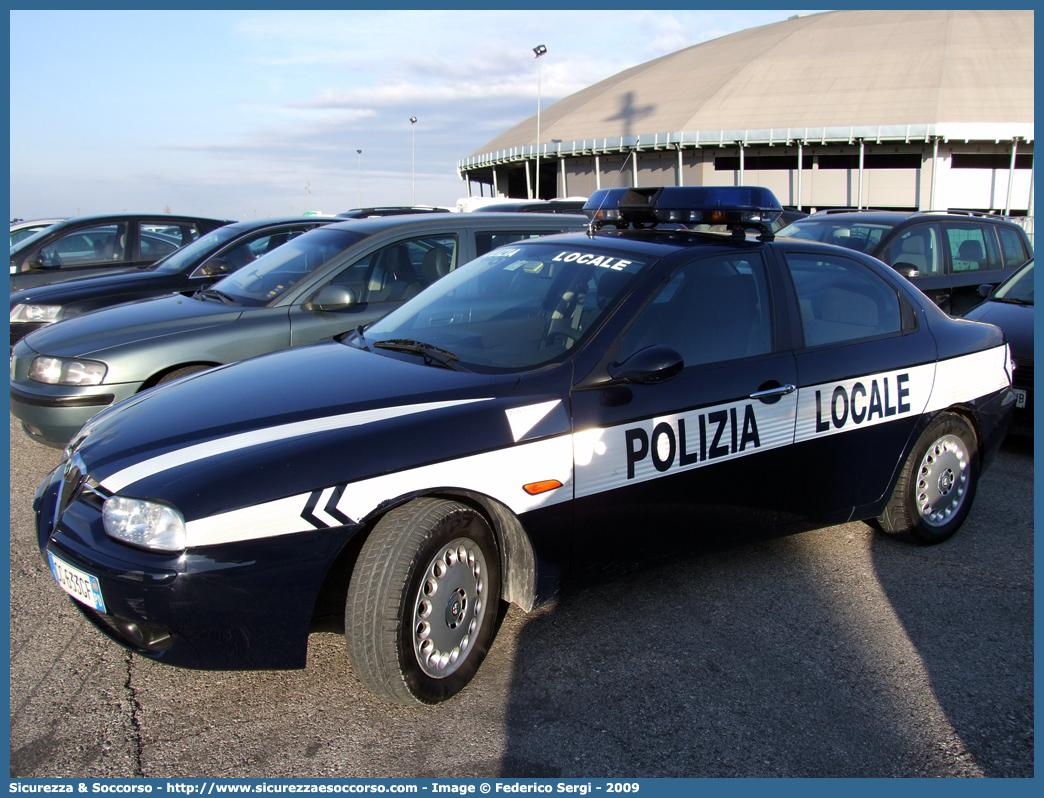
898	109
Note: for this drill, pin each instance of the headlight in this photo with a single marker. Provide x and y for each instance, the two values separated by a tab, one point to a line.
44	313
55	371
146	524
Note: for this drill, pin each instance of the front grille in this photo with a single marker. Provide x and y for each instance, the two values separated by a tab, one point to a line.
72	482
1023	373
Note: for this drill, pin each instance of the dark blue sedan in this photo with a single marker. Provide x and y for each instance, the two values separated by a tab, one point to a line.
547	412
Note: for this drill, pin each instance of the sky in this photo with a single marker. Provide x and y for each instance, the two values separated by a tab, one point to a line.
250	114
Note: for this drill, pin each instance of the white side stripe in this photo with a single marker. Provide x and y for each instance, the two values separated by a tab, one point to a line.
500	474
606	459
523	419
201	451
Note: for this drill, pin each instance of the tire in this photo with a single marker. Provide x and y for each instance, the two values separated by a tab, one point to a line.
419	617
177	374
936	487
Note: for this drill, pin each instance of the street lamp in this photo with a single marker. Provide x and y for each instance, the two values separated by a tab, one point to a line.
413	128
359	180
539	50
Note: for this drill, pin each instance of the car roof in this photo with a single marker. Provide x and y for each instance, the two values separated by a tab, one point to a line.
892	218
258	224
378	224
119	217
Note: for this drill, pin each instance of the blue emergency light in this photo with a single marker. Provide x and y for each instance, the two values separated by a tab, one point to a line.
736	207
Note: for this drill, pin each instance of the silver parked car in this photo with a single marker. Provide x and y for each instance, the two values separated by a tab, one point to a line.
320	284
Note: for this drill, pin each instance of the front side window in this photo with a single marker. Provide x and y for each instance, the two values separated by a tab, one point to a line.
96	246
515	308
842	300
401	270
711	310
917	250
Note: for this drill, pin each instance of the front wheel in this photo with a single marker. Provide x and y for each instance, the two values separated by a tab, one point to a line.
936	487
422	602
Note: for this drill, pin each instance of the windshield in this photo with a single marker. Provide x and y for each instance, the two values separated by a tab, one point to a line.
186	257
860	236
1019	288
271	275
515	308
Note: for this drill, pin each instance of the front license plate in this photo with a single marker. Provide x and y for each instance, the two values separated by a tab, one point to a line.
81	585
1020	397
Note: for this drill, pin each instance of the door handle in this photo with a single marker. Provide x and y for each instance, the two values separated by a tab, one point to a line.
771	393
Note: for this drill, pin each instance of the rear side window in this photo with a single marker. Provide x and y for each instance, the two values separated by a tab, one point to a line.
842	300
972	248
176	234
1013	251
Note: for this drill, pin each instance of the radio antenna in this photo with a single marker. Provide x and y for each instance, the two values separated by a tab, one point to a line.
634	149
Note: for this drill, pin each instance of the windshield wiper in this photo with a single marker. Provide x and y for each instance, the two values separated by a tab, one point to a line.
432	354
213	293
1013	300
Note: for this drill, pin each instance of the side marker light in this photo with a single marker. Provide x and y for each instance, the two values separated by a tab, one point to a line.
536	488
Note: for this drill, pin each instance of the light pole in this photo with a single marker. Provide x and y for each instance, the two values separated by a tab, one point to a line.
413	129
359	180
539	50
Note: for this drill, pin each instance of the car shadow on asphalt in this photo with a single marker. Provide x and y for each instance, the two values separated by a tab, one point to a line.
839	652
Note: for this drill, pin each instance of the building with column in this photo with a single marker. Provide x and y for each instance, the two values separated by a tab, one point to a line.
898	109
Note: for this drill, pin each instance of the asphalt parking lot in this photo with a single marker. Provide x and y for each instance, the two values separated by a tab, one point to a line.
839	652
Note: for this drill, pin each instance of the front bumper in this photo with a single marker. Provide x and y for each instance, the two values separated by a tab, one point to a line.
238	606
53	414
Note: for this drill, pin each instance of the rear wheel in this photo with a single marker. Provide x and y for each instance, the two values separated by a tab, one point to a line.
936	487
422	603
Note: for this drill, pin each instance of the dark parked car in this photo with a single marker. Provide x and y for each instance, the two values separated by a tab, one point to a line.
947	255
197	265
90	245
557	409
1010	307
321	283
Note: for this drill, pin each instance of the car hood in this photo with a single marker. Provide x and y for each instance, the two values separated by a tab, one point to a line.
283	423
1015	320
91	334
112	283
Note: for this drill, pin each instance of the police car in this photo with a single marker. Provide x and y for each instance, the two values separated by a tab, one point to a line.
553	408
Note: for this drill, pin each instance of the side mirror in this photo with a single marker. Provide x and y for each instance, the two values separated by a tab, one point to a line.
907	270
44	259
213	267
333	298
648	366
986	289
